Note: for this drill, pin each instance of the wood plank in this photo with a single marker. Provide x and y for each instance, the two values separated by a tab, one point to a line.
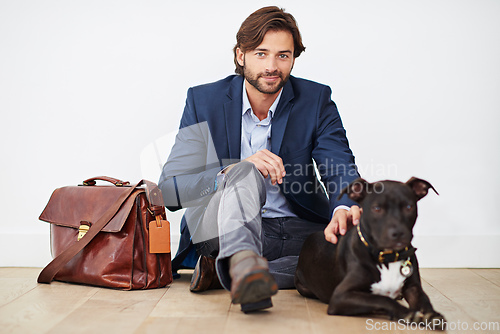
43	307
15	282
179	302
111	311
492	275
324	323
466	297
181	311
288	315
183	325
14	272
482	311
13	288
131	296
321	322
455	314
463	314
460	284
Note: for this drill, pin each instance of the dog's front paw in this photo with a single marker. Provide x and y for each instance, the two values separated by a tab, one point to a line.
414	317
436	320
429	320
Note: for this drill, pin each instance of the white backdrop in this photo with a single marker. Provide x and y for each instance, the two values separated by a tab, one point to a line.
85	86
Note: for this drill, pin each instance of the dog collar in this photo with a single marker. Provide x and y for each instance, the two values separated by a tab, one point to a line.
385	255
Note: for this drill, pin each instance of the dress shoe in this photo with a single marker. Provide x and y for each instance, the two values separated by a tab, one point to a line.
252	285
204	276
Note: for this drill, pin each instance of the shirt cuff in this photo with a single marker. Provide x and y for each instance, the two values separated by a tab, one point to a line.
344	207
219	179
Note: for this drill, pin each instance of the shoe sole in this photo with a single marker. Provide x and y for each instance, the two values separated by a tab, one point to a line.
261	305
256	287
195	279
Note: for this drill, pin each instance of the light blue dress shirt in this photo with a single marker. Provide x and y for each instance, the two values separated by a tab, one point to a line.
256	136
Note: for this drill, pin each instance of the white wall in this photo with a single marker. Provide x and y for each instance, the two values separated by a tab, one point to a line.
86	85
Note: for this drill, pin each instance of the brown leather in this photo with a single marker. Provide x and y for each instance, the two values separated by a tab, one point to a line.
251	280
114	253
204	276
116	182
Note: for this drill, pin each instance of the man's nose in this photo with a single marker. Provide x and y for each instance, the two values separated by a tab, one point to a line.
271	65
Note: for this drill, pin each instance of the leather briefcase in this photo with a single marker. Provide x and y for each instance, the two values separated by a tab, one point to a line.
101	235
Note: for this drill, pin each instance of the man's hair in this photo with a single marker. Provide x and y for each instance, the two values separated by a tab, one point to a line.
256	26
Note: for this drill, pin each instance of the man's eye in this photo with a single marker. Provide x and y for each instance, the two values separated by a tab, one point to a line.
260	54
283	56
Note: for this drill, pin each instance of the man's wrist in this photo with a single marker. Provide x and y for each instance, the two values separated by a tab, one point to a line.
343	207
227	169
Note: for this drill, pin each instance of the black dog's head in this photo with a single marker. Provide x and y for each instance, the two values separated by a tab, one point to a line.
389	210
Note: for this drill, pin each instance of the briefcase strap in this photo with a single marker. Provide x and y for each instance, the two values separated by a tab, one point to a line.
49	272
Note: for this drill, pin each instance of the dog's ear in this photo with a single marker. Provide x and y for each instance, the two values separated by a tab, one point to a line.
420	187
356	190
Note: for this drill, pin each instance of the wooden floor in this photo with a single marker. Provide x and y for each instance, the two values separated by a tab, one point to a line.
467	298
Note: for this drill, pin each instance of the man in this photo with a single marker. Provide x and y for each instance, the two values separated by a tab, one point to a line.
244	167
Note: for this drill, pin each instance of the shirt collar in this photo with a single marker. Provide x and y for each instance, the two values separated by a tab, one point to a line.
247	105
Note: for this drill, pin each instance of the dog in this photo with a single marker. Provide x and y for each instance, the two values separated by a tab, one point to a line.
374	263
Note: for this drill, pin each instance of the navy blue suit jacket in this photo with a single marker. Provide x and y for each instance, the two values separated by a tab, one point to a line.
305	127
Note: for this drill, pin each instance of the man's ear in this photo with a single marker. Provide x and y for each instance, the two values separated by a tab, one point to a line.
356	191
240	57
420	187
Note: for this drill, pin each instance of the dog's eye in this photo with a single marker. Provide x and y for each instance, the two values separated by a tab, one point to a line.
376	208
409	207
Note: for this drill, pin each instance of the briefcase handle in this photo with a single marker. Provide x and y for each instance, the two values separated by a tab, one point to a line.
116	182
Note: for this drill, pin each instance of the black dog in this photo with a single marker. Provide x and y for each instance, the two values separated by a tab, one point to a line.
374	263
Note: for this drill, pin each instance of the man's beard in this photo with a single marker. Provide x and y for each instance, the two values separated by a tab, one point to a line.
262	87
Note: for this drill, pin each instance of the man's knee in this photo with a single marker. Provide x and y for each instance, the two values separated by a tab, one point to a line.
245	171
243	168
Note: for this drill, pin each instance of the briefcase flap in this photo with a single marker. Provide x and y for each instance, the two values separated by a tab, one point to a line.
72	205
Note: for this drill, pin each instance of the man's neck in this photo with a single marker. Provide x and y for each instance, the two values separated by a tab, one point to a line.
260	102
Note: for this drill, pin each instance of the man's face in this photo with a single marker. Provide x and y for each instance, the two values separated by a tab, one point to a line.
268	67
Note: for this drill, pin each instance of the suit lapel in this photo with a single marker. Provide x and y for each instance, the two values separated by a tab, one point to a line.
232	113
280	118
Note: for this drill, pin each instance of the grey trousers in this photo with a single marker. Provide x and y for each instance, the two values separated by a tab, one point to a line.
234	215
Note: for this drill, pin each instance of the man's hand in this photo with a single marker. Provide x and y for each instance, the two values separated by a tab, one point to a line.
341	221
269	164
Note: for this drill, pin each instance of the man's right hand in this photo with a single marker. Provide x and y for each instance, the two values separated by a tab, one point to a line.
269	164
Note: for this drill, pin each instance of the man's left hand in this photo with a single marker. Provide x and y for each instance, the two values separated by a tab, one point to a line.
341	221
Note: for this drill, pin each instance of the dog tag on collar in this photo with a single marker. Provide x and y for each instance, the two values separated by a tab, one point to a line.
406	269
159	236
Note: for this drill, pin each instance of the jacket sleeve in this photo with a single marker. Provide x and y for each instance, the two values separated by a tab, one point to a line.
188	177
331	152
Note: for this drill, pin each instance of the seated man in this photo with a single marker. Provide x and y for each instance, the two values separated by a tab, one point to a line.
243	165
